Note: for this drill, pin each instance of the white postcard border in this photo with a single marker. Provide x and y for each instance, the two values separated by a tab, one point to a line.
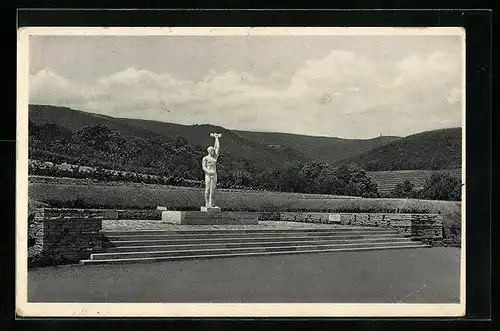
27	309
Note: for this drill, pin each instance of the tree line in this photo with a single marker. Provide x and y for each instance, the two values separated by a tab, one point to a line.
436	187
161	160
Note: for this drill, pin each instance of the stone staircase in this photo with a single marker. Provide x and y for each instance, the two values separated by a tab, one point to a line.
151	245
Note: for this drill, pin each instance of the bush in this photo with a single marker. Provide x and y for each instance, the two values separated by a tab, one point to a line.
404	190
442	187
357	183
237	178
290	180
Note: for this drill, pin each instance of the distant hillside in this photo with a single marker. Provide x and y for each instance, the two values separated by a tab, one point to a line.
278	147
252	151
327	149
233	146
430	150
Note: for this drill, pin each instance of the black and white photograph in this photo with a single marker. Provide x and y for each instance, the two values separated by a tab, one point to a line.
241	172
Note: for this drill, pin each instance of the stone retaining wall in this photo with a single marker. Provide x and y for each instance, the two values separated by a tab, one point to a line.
309	217
64	235
58	236
129	214
426	227
139	214
126	214
417	226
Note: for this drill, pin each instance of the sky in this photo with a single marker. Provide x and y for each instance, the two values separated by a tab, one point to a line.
349	86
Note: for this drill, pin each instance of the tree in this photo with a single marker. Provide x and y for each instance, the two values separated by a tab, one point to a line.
50	132
403	190
311	174
442	187
357	183
95	135
180	141
267	179
328	182
237	178
289	179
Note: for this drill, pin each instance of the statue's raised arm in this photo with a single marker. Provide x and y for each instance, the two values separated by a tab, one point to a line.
216	143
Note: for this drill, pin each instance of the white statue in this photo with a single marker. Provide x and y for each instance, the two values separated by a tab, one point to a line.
209	165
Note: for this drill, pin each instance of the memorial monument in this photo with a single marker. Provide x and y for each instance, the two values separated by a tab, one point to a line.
210	213
209	165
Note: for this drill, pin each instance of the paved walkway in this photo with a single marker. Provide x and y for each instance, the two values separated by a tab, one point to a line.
128	225
421	275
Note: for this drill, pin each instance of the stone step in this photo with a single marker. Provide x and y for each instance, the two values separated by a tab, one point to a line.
231	244
267	248
123	260
297	237
168	235
115	233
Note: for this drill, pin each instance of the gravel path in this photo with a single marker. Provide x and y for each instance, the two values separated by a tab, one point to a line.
420	275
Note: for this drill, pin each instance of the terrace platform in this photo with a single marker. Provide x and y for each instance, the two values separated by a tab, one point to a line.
67	235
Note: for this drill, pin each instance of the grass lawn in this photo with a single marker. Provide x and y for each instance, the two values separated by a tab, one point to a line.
422	275
65	192
59	192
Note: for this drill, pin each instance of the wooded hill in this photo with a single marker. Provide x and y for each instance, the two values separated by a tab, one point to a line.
429	150
67	135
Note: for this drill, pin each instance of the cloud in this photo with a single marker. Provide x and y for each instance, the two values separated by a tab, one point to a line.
341	94
454	95
48	87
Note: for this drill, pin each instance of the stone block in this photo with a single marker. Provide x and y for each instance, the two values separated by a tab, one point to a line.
210	209
334	218
171	216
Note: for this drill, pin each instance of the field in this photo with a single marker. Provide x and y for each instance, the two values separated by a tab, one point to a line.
65	192
61	192
387	180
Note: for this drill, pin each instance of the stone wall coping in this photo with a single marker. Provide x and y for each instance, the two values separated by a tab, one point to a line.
81	209
52	209
263	211
91	210
385	213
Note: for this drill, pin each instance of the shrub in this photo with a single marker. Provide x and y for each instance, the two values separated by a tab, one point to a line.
357	182
404	190
442	187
